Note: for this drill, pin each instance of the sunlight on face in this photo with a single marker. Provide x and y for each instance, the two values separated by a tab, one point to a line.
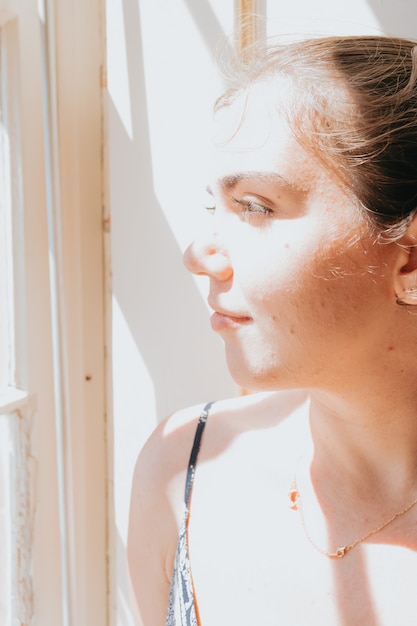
288	254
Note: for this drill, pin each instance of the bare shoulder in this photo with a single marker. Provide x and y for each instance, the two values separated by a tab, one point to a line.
159	475
159	483
156	507
164	459
165	456
251	417
162	464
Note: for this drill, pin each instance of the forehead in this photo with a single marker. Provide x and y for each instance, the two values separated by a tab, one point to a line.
252	134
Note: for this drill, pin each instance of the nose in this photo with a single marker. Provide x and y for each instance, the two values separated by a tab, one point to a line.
208	258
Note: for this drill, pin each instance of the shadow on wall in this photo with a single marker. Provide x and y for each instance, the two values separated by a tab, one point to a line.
209	27
396	17
159	300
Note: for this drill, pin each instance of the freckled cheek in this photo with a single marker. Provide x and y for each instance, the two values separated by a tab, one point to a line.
273	303
297	301
283	273
339	304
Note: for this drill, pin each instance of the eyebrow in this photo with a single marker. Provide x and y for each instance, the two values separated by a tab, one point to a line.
231	181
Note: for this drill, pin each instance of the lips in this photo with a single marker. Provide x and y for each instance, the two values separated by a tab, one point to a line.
222	319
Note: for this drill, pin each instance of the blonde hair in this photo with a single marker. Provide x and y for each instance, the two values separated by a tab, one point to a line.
355	107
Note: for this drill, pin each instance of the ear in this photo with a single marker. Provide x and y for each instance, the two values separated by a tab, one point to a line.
405	280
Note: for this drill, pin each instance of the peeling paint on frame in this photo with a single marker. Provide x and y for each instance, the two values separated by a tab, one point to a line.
18	472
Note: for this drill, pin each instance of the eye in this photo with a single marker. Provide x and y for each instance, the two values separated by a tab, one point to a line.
251	206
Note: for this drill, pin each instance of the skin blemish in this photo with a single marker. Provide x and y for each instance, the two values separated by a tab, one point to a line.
391	348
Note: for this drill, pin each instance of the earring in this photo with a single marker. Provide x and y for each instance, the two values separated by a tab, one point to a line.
407	297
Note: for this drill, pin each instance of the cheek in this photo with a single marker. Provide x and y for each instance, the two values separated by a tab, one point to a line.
320	286
265	257
272	270
266	281
302	260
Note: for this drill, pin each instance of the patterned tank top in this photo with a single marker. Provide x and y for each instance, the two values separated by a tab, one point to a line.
182	609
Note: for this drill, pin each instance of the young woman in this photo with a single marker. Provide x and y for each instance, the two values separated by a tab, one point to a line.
302	504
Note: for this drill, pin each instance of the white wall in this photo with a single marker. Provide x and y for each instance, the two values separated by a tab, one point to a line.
343	17
161	83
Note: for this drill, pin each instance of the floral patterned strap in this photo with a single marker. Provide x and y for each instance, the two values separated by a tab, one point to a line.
181	605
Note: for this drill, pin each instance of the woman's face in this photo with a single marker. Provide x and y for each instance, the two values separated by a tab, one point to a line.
297	283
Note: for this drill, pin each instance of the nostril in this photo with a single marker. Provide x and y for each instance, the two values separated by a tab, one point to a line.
218	266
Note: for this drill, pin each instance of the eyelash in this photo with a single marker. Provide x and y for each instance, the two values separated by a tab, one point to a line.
252	207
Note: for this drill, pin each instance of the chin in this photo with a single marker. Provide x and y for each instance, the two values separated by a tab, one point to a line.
253	377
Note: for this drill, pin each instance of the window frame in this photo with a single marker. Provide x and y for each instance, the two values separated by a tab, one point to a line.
28	391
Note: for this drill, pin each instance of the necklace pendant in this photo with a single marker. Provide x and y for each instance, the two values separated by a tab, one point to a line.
340	552
294	497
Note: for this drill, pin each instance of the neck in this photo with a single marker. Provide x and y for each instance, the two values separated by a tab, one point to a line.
369	438
362	467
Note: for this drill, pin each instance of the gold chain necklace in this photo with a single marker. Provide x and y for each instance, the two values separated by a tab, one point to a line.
296	504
